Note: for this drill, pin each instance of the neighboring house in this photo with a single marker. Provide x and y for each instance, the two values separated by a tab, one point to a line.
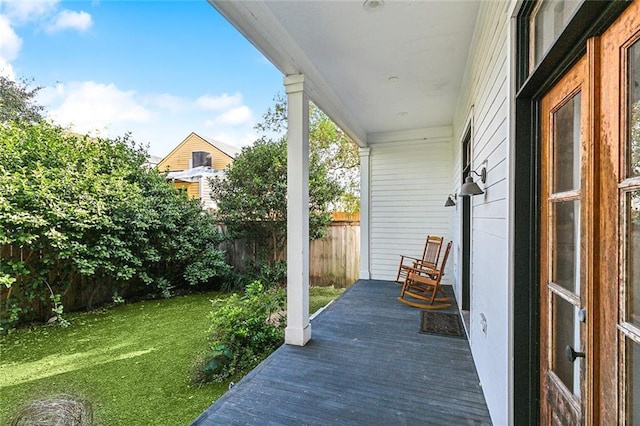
152	161
196	182
544	96
194	161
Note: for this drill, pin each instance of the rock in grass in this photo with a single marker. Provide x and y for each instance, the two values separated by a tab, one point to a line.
60	410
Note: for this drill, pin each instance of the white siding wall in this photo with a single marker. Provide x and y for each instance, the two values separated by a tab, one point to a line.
205	194
485	97
410	180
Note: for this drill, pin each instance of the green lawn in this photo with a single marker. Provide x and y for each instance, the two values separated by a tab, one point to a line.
131	362
320	296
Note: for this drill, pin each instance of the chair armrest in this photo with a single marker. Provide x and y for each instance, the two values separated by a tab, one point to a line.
432	273
422	264
414	259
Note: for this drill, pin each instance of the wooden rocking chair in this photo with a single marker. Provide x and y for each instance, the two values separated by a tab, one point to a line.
429	259
421	287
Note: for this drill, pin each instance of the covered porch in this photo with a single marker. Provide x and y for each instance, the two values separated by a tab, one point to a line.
367	363
423	89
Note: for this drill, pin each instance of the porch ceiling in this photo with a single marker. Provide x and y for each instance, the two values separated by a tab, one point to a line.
350	56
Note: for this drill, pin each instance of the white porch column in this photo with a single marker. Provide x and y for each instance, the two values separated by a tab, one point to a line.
365	205
298	331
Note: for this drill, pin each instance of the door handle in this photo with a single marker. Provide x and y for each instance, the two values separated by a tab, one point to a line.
582	315
572	355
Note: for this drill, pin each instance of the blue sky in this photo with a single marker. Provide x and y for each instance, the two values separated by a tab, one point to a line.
159	69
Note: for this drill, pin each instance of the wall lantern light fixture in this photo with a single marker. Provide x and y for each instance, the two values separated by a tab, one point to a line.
469	187
450	202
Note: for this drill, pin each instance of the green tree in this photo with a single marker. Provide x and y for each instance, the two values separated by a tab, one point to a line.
252	199
182	239
17	101
339	155
330	146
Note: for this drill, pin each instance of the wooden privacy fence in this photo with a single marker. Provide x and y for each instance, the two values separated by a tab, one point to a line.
333	260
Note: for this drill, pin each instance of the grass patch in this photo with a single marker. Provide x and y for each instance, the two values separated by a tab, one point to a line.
320	296
132	362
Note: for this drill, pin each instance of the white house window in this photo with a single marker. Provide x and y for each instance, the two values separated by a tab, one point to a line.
200	158
547	21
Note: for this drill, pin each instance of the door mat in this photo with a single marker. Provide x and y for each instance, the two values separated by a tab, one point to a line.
441	323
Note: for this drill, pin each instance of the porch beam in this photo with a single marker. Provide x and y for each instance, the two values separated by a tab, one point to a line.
298	331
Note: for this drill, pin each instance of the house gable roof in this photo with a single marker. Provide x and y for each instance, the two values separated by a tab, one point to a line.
227	150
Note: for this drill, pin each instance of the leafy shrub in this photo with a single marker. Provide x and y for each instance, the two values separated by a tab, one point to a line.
245	329
252	198
86	212
270	275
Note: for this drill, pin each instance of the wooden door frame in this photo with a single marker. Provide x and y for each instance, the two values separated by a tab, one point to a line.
590	20
616	183
582	78
603	183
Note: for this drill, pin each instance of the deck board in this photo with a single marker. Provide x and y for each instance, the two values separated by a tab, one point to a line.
366	364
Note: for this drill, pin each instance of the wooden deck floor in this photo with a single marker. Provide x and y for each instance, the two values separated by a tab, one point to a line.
366	364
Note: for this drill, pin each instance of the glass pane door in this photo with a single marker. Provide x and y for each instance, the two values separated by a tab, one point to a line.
565	246
563	329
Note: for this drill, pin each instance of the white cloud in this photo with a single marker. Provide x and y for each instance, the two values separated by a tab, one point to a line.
22	11
160	120
234	117
88	107
46	14
219	103
11	43
70	20
14	13
9	47
240	138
